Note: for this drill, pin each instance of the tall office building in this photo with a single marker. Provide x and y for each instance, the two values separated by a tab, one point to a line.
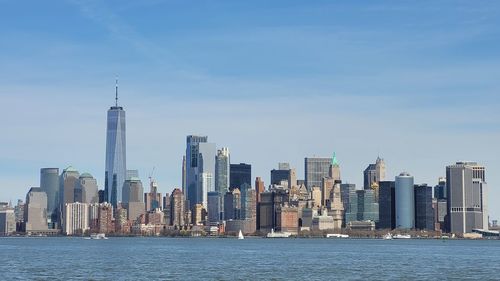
239	175
152	199
116	157
213	207
440	189
7	220
362	206
222	166
35	210
405	201
67	185
424	211
177	209
132	195
374	173
315	170
86	189
387	205
222	172
200	158
466	190
49	182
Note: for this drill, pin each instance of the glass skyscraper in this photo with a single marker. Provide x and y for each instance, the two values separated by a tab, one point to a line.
116	169
200	169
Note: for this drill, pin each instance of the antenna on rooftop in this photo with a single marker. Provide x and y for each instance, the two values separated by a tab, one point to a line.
116	92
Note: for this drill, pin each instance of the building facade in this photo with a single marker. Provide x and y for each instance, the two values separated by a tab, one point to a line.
49	182
240	174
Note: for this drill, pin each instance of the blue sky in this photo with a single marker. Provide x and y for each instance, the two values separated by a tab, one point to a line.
275	81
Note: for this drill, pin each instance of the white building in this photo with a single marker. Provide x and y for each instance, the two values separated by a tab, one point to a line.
76	218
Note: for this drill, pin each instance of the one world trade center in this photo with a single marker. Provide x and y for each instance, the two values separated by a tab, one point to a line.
115	153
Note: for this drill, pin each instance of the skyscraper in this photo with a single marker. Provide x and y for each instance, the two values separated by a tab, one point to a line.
35	211
405	201
465	185
49	182
86	189
222	166
315	170
387	205
374	173
200	158
133	198
7	220
116	168
424	212
239	175
67	185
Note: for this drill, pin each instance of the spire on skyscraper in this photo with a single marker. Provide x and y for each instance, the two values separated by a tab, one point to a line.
116	92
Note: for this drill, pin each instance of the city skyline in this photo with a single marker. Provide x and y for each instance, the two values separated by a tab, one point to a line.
348	104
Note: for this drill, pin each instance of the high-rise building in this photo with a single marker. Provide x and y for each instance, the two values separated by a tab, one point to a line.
315	170
86	189
116	153
133	198
387	205
248	203
424	211
374	173
35	211
7	221
259	188
440	189
152	199
222	166
239	175
200	158
68	182
214	207
345	191
105	213
177	209
76	218
362	206
49	182
336	208
405	201
466	190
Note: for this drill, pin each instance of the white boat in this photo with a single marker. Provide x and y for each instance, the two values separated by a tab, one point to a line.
98	236
388	236
273	234
402	236
240	236
336	235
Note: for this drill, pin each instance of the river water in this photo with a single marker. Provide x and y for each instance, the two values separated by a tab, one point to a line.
250	259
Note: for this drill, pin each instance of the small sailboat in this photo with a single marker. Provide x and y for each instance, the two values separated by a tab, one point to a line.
240	236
